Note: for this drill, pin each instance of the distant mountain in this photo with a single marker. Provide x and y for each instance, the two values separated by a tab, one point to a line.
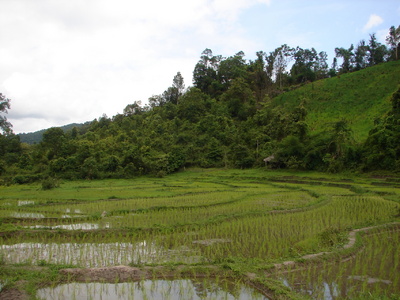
36	137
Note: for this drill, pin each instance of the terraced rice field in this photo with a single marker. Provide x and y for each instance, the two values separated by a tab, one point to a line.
223	226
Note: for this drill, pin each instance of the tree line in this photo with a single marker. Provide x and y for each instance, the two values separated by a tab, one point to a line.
224	120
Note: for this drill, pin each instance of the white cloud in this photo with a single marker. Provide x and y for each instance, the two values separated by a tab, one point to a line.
373	21
71	60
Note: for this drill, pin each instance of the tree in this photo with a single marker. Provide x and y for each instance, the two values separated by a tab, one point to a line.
347	55
156	100
174	92
377	51
179	84
5	126
321	65
193	105
361	55
259	77
231	68
382	149
291	152
278	61
132	109
305	65
333	70
239	99
393	39
53	140
342	136
205	73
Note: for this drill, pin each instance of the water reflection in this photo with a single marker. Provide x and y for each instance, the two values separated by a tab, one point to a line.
25	202
76	211
94	254
374	270
27	215
150	289
79	226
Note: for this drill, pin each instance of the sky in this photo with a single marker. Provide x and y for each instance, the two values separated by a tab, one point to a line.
72	61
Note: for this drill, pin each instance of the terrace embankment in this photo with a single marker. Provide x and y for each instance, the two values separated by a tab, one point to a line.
351	242
126	273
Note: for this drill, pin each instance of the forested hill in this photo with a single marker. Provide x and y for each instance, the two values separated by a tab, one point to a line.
36	137
236	115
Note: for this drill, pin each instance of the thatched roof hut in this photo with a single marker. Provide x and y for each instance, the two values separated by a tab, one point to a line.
269	159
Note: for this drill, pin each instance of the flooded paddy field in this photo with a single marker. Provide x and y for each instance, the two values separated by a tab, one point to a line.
182	289
374	270
240	223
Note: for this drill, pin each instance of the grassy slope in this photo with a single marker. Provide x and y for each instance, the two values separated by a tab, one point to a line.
357	97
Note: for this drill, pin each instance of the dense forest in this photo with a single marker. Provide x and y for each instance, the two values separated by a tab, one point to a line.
286	109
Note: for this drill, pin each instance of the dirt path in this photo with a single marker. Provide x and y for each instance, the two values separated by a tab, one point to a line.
350	244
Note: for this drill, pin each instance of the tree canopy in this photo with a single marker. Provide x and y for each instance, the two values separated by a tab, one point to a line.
230	117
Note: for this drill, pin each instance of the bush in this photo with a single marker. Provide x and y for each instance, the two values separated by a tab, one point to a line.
50	183
22	179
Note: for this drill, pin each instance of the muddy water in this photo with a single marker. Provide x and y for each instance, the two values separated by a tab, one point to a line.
150	289
375	270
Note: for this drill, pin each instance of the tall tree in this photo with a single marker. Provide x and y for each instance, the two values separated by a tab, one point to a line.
259	77
347	55
5	126
179	84
333	70
231	68
134	108
205	73
393	40
53	140
321	66
377	51
278	61
305	64
361	55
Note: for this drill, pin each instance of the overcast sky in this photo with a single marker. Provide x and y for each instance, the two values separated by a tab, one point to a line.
67	61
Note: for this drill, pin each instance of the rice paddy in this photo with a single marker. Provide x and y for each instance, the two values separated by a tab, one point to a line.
232	225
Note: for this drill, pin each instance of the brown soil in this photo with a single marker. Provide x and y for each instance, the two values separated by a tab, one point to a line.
16	293
13	294
109	274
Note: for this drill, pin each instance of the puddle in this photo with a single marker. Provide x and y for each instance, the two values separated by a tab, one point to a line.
150	289
25	202
27	215
369	280
94	254
81	226
75	211
72	216
210	242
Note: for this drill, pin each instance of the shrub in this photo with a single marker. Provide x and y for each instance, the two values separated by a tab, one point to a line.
50	183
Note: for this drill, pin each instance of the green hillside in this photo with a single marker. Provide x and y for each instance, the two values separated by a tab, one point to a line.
228	120
359	97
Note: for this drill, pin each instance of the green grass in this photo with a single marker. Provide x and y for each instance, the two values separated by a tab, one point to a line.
238	220
357	97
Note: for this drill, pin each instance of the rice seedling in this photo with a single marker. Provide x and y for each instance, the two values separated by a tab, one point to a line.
238	220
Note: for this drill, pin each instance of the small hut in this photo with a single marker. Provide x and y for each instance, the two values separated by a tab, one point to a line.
269	159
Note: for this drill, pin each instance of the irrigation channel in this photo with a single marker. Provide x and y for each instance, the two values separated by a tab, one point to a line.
215	234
